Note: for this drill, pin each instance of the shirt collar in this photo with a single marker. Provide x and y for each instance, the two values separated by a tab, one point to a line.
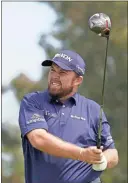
75	98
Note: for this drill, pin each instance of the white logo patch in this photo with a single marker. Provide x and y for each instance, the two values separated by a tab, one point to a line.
109	138
66	57
80	69
47	113
35	118
77	117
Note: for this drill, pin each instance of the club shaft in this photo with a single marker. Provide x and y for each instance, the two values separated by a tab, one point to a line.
102	99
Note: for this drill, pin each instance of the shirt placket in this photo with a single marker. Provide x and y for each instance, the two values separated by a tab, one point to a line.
64	116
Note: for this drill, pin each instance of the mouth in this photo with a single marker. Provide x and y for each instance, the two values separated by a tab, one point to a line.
55	84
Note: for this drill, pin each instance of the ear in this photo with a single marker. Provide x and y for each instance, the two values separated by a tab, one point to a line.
78	80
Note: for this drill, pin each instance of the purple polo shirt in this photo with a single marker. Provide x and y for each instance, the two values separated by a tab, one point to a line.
75	121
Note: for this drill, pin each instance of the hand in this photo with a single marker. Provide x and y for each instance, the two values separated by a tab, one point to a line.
91	155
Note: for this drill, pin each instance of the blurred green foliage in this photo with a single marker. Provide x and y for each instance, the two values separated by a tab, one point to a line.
72	32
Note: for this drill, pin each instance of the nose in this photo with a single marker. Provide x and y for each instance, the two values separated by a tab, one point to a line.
56	75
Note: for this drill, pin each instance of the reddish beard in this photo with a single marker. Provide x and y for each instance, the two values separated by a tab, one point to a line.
61	92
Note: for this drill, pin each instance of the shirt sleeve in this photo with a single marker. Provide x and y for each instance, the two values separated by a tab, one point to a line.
31	116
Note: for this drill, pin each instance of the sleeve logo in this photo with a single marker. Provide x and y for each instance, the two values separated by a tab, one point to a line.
35	118
109	138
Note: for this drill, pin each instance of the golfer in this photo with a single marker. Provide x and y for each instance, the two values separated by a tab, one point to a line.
59	128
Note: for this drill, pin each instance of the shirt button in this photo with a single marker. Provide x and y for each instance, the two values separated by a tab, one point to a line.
62	113
63	105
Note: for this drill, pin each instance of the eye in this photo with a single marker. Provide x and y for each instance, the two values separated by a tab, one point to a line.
62	72
52	70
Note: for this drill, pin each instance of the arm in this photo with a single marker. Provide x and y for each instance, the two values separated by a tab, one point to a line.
46	142
112	157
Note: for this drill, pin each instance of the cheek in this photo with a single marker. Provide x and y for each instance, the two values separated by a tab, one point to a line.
49	77
66	81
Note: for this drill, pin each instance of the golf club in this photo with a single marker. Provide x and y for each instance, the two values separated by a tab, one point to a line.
100	23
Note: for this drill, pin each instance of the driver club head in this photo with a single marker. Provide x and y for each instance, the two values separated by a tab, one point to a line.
100	23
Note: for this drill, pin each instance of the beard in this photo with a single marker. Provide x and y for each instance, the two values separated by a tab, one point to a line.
59	91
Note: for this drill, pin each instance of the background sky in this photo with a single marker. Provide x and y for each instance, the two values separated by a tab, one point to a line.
22	25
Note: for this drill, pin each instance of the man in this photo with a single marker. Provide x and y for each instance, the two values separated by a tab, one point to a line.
59	128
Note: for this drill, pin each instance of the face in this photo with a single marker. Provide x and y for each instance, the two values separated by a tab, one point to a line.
61	82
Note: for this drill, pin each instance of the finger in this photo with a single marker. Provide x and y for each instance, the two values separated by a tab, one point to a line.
96	162
97	158
97	155
97	151
101	148
93	147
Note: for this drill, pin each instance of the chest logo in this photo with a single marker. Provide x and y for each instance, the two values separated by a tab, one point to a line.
78	117
49	114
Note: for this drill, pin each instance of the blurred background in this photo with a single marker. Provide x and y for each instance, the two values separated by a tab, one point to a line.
34	31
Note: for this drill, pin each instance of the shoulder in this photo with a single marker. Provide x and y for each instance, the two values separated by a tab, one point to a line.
93	104
34	97
89	102
90	105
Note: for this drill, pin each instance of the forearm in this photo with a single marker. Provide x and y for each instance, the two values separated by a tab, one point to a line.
53	145
112	157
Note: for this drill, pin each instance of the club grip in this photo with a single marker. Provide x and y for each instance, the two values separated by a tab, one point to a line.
98	143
